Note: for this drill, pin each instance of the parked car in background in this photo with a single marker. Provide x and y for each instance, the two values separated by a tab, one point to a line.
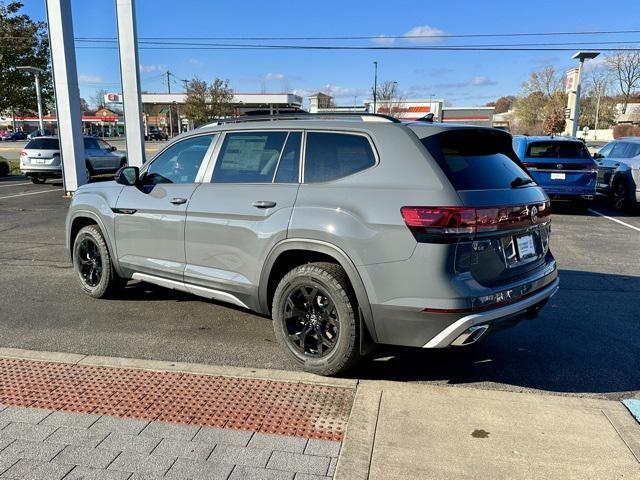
39	133
347	232
561	165
40	159
15	136
154	133
619	172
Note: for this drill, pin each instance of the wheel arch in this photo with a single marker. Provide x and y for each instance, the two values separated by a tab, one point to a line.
81	219
287	247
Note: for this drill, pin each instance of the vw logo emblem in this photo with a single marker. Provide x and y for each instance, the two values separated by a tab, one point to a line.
559	166
534	214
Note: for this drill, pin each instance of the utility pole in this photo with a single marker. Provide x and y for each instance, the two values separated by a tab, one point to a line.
36	74
168	81
186	84
375	86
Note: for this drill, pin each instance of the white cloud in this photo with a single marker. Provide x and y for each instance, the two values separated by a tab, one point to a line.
424	34
153	68
195	62
481	81
383	40
90	78
273	76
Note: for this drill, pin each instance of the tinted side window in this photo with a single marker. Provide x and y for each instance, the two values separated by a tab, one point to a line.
619	150
180	162
90	144
329	156
634	150
290	160
249	157
606	150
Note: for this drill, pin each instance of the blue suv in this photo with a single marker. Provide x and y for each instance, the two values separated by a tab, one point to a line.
561	165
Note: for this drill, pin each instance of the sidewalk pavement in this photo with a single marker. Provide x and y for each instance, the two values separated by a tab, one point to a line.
66	416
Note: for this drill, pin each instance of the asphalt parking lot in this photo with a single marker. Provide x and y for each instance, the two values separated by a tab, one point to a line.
585	342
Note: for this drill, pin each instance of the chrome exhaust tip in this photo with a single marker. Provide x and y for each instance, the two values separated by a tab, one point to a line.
470	335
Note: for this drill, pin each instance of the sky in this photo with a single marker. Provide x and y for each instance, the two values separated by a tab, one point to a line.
462	78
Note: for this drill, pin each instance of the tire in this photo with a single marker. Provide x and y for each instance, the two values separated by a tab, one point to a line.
620	196
104	282
4	169
329	313
38	180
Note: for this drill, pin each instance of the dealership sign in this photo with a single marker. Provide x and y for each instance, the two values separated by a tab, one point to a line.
571	80
112	98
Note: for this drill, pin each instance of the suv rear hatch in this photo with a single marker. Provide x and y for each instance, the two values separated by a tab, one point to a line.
559	162
501	230
41	151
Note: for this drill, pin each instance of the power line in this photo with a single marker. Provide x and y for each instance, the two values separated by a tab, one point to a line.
410	37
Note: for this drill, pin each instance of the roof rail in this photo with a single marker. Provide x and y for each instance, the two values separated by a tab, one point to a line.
375	117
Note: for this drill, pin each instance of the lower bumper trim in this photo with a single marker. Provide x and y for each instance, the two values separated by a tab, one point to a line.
450	334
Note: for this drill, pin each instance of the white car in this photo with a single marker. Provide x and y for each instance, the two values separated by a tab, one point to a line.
40	159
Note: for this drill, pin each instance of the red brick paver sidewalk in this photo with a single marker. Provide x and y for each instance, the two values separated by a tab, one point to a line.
294	409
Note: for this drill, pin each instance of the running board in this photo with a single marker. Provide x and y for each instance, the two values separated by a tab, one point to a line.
190	288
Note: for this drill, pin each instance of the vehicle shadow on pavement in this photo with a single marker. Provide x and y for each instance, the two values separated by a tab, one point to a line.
586	340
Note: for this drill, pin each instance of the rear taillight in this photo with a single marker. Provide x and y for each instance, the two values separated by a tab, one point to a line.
563	166
23	153
443	224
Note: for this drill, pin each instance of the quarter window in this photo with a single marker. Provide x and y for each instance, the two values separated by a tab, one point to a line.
180	162
330	156
249	157
290	160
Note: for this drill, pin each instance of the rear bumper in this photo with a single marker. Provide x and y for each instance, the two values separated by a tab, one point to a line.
41	171
463	329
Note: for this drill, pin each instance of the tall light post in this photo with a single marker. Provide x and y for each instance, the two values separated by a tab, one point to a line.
36	74
375	86
581	57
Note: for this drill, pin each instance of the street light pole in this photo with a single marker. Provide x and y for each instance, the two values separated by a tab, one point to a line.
581	57
36	74
375	86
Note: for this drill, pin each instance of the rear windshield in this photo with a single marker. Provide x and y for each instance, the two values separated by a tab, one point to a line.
476	159
553	149
43	144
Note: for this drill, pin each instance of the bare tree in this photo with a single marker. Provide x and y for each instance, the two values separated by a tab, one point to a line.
625	67
98	98
206	102
389	98
547	81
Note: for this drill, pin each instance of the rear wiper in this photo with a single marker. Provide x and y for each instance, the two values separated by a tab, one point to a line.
520	181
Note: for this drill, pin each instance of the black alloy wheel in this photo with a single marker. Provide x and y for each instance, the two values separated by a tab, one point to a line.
90	267
311	321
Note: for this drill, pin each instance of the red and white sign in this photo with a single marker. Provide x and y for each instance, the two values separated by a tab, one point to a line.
112	98
571	80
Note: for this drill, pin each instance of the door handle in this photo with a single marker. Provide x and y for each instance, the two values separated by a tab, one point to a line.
178	201
264	204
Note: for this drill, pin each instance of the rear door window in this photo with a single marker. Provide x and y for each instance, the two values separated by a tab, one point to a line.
619	150
249	157
559	149
43	144
329	156
476	159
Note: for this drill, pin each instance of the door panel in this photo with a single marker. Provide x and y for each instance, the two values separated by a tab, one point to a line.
227	237
151	240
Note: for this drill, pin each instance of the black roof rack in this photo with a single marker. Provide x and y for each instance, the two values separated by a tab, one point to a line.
303	116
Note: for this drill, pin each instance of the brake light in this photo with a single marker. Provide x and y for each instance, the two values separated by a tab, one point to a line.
439	223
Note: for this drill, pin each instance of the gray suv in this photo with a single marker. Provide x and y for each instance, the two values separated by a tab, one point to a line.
619	172
348	232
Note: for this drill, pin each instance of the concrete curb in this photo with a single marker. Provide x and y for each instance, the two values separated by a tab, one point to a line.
357	446
179	367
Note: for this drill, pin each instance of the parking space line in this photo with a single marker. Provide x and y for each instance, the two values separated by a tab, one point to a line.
15	184
614	220
31	193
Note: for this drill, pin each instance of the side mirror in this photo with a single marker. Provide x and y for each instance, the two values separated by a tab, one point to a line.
597	156
128	176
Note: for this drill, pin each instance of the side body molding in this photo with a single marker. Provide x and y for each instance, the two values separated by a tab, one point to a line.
327	249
